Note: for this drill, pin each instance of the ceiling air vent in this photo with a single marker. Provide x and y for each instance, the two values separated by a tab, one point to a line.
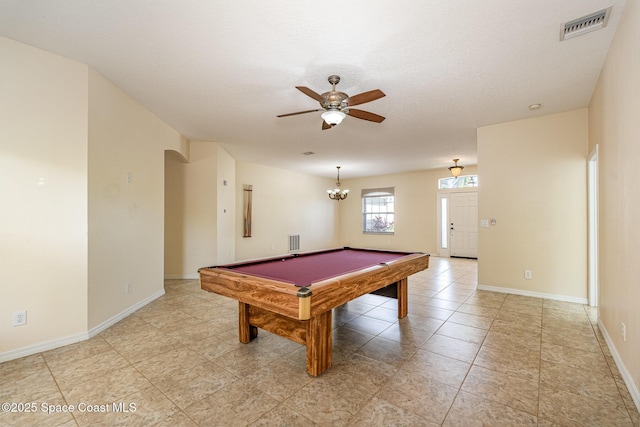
583	25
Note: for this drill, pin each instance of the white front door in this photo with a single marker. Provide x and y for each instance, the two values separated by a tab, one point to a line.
463	224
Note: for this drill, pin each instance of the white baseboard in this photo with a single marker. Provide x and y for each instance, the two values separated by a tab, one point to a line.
180	277
555	297
624	373
42	346
118	317
72	339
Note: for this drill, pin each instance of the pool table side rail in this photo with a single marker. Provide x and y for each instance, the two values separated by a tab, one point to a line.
278	297
282	298
326	295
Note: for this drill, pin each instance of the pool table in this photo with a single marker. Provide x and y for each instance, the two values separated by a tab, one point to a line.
293	295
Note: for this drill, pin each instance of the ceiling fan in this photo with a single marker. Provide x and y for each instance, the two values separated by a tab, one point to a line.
337	105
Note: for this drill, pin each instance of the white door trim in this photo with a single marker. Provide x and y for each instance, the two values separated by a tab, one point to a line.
593	227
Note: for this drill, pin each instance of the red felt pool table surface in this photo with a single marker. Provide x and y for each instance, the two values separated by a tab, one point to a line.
305	269
293	296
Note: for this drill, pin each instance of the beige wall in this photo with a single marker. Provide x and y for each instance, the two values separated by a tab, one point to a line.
43	222
416	224
199	210
191	189
284	203
614	125
227	215
532	176
174	214
126	200
74	230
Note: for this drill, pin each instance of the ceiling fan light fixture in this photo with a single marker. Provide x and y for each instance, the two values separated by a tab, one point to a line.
333	117
336	105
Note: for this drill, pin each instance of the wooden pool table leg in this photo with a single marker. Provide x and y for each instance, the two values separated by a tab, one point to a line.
246	332
403	297
319	343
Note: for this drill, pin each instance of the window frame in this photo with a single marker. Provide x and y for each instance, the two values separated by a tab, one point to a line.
375	193
462	181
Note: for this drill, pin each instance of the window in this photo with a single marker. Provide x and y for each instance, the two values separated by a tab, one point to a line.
444	223
459	182
378	209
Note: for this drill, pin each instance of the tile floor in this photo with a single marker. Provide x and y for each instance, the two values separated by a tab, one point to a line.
461	358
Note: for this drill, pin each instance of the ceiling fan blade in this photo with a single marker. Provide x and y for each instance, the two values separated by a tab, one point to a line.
300	112
326	125
364	115
361	98
310	93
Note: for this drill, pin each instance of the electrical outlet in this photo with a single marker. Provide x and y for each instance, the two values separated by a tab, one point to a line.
528	275
128	287
623	331
20	318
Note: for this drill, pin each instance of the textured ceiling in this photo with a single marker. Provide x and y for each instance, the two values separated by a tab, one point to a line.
223	70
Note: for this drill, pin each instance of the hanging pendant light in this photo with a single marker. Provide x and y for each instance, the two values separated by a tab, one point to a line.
336	193
455	169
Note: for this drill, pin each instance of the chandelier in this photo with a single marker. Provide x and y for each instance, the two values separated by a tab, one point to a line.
336	193
456	170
